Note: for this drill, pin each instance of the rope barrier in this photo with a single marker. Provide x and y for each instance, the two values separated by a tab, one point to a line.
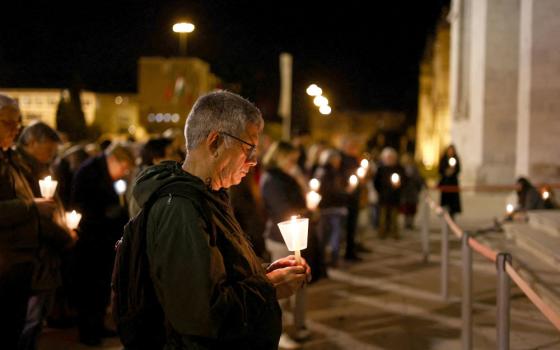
492	255
483	250
546	310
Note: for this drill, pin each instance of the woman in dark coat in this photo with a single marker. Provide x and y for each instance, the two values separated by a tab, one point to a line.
449	169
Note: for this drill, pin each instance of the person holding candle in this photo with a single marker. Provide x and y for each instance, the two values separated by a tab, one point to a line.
38	144
389	181
283	197
449	170
20	212
334	200
103	218
212	288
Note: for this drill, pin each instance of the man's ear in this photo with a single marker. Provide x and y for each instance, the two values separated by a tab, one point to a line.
213	141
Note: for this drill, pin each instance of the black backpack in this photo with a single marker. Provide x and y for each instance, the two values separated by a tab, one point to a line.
136	310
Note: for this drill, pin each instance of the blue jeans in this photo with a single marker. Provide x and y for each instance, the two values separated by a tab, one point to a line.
331	228
38	308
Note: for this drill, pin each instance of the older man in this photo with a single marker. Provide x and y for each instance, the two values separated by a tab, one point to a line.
212	288
38	145
19	229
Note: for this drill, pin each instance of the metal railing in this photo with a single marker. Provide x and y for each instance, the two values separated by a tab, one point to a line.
505	273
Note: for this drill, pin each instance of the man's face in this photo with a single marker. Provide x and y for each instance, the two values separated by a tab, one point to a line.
234	163
9	126
44	152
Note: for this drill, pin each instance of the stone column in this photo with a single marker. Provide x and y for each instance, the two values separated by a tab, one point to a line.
538	151
484	90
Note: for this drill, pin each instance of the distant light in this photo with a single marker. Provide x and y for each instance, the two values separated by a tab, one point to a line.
452	162
183	27
175	118
120	186
118	100
314	90
361	172
509	208
325	110
159	117
151	117
314	184
364	163
320	101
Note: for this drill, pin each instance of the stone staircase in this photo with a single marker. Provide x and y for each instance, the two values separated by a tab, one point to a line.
535	247
540	237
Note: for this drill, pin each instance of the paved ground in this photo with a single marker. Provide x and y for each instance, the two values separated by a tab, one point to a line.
391	300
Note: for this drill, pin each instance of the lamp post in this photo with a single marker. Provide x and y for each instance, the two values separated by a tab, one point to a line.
183	28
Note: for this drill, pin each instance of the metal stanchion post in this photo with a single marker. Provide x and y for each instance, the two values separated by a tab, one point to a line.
466	303
444	256
425	230
502	322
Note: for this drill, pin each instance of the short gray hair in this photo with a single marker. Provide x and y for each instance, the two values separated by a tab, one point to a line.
6	101
221	111
39	132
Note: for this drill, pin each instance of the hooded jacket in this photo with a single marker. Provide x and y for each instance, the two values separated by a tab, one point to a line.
213	289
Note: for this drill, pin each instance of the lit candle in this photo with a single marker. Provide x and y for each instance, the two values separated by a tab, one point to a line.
452	161
353	181
73	219
120	188
47	186
364	163
361	172
294	232
395	179
509	208
312	199
546	195
314	184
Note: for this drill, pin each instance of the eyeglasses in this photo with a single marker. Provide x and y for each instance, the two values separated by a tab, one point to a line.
251	153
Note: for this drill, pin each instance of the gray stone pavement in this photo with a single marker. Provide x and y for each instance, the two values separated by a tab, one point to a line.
391	299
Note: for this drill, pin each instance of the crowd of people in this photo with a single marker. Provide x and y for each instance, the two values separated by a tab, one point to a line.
207	238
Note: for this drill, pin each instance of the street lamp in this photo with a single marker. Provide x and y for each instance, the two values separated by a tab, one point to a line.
183	28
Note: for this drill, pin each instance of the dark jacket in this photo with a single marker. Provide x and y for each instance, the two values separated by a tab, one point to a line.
388	193
53	235
450	196
212	288
94	196
332	190
19	218
283	198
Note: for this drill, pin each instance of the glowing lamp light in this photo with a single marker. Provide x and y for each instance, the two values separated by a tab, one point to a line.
325	110
314	90
509	208
312	200
452	161
395	179
294	232
364	163
546	195
320	101
183	27
353	181
314	184
361	172
73	219
48	187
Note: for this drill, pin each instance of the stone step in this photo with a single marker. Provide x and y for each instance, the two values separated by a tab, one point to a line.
546	220
541	276
540	243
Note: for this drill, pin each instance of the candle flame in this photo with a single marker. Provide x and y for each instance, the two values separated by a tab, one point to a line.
395	178
509	208
353	180
314	184
452	161
364	163
546	195
361	172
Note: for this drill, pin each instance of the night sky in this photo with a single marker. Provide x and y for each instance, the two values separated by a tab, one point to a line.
364	57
